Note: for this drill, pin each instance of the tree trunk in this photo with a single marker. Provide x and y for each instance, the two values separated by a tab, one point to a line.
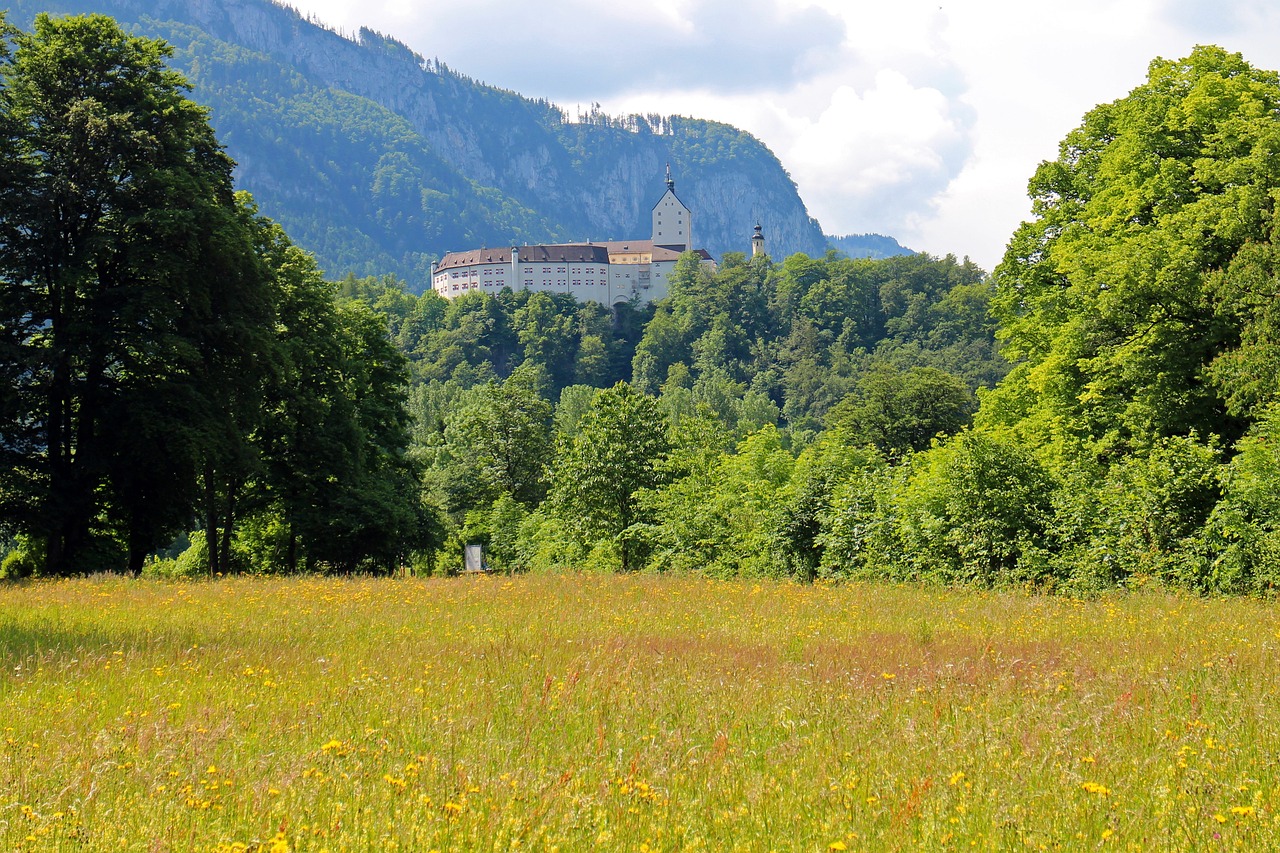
228	529
138	548
211	518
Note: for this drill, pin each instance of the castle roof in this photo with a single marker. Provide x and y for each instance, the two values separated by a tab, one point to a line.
567	252
658	251
589	253
671	191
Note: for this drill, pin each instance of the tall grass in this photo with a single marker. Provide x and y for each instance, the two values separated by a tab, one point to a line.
661	713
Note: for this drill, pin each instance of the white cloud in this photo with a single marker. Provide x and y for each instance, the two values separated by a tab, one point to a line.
923	119
873	157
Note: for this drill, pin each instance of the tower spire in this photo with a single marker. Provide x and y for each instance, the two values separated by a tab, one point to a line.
671	184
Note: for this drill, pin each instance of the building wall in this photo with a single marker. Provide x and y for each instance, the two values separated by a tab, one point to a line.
631	271
607	285
586	281
487	278
661	270
672	222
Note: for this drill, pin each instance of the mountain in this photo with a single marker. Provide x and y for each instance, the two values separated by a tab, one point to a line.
867	246
378	160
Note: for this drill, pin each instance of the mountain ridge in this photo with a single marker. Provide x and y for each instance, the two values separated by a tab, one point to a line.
379	160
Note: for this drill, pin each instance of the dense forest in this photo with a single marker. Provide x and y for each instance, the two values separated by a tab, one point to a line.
184	393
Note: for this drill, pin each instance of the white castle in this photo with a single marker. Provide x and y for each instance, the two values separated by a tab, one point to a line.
609	273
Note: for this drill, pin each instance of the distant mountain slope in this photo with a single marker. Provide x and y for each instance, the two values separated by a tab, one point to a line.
379	161
868	246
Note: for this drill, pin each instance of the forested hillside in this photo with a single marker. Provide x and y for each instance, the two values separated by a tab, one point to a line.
378	160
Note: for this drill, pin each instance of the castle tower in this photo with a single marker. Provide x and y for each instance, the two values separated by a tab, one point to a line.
757	242
672	221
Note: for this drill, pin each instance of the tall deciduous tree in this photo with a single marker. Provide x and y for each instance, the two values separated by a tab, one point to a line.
336	429
115	202
897	412
502	440
1106	296
619	449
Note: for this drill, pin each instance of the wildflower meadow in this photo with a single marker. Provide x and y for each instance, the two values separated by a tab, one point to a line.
641	712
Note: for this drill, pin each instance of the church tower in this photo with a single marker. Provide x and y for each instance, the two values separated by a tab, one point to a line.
672	221
757	242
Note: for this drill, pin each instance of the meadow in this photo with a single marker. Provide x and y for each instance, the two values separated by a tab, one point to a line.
570	712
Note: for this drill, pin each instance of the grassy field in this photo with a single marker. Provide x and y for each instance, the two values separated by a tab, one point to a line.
636	713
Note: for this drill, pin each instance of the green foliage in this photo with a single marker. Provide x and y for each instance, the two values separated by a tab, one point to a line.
752	350
824	471
857	517
499	443
898	413
1247	375
505	544
1241	541
547	543
977	509
192	562
719	517
575	402
802	333
821	408
172	355
619	451
112	303
23	559
179	360
1140	518
1108	294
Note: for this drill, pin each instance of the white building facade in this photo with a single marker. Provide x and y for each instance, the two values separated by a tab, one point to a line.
608	273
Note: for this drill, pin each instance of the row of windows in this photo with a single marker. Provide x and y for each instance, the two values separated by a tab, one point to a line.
465	273
529	284
468	279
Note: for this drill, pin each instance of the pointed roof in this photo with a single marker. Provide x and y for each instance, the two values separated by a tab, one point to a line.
671	190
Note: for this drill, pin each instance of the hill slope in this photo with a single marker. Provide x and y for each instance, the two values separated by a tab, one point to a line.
378	160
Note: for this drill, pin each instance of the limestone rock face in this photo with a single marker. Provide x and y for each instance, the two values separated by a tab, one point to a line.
503	168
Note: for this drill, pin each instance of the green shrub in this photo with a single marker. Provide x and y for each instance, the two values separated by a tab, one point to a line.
977	509
859	529
1241	539
24	559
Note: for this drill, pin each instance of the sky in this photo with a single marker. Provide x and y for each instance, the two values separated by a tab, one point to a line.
919	119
